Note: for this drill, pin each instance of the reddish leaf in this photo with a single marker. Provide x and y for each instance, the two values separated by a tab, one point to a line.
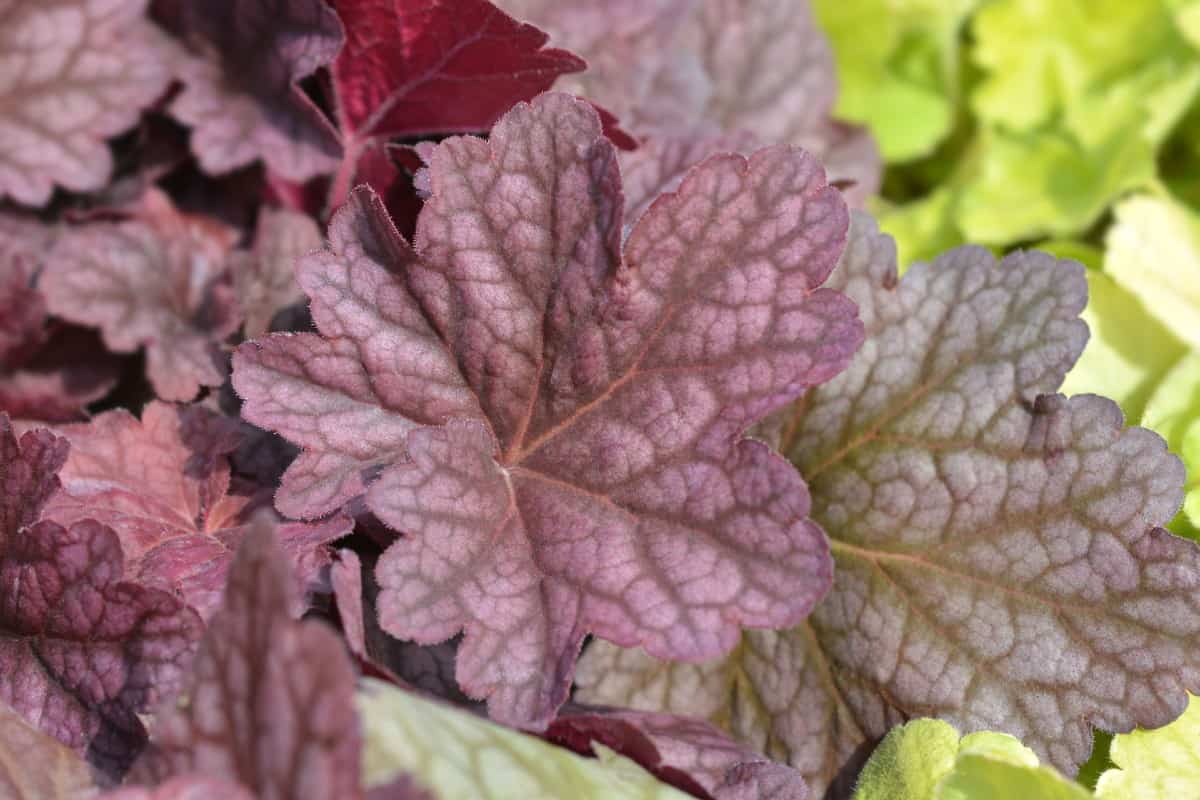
413	67
159	281
271	700
688	753
163	484
75	73
240	95
185	787
80	652
265	277
592	476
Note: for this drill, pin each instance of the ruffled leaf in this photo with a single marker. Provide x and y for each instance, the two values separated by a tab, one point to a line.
164	485
591	467
999	560
160	281
75	73
240	95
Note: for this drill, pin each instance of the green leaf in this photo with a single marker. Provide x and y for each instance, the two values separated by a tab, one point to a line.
925	760
898	68
1162	764
923	228
1174	412
459	755
1154	253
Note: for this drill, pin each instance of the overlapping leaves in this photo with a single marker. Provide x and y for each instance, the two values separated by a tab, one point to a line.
585	472
998	558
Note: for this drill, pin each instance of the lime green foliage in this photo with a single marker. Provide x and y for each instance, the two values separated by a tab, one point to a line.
925	760
459	756
1174	411
898	68
1162	764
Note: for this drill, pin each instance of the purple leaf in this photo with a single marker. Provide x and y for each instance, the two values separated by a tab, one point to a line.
80	652
999	560
185	787
591	475
688	753
75	73
161	282
264	279
163	484
270	703
240	95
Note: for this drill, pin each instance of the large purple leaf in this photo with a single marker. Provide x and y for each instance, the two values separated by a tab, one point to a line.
240	95
75	72
270	703
163	484
80	651
591	475
999	563
160	281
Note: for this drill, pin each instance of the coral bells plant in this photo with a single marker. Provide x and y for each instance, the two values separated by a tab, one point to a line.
382	416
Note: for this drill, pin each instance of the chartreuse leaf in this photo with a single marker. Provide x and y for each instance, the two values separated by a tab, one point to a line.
459	756
1162	764
925	760
999	560
1154	253
1174	411
898	68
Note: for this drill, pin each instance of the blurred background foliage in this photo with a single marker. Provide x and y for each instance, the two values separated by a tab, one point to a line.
1068	125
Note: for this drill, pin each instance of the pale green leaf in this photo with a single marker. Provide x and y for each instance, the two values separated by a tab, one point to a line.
459	756
1162	764
1174	411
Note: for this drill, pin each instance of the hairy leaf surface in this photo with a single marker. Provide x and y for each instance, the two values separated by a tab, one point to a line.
74	73
240	95
81	652
999	560
160	282
163	484
590	474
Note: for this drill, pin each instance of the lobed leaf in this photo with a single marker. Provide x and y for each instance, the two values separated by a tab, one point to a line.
999	560
159	282
75	73
240	96
590	475
163	484
264	278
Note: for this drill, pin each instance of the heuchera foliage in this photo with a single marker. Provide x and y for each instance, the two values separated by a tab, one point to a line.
402	401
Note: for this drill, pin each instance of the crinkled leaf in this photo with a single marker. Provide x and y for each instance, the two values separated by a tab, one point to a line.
265	277
1154	253
685	752
925	760
163	484
435	66
591	476
1161	764
81	652
660	163
160	281
457	754
240	95
679	69
270	701
35	767
998	558
1174	412
75	73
